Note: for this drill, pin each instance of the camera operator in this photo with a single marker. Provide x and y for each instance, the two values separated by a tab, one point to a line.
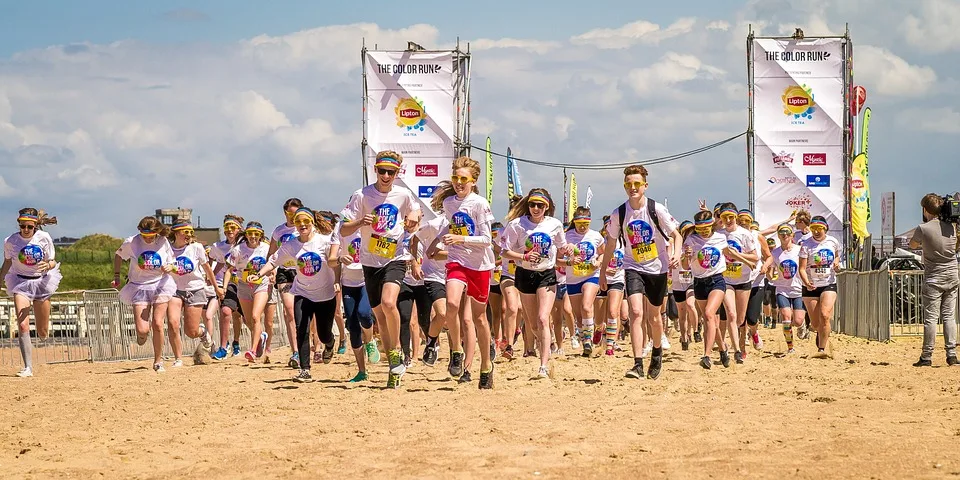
938	239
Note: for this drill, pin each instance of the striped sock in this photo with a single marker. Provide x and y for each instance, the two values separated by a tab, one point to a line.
611	332
788	334
587	330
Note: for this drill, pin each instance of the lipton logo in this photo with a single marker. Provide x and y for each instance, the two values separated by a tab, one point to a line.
782	159
856	183
798	103
815	159
411	115
427	170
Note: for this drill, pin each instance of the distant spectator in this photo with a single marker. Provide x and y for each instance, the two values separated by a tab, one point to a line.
938	240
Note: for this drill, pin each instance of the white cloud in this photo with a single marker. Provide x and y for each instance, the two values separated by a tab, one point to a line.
562	125
5	190
942	120
937	29
672	69
891	75
252	115
536	46
639	32
718	25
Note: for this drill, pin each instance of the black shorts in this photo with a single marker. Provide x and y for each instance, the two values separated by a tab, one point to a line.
741	287
652	286
375	277
285	276
529	281
754	306
231	300
435	291
770	295
681	295
703	286
495	290
816	292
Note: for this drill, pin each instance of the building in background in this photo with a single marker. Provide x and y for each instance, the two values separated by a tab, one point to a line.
170	216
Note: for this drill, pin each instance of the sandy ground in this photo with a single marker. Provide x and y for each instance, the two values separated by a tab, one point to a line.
865	414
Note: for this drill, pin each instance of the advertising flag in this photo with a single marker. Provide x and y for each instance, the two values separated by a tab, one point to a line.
573	196
489	168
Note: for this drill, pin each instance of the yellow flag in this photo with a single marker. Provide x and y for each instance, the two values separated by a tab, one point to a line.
859	196
573	196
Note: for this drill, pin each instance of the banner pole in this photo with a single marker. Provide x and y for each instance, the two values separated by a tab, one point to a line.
751	194
564	196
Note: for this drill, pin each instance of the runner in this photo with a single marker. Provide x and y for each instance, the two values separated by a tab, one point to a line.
356	306
246	258
315	285
613	294
431	267
470	261
382	212
819	264
683	294
757	294
149	285
645	272
583	281
741	262
704	255
230	305
533	238
784	261
495	307
32	275
285	274
191	276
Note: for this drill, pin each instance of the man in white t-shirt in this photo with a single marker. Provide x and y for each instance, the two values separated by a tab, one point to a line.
382	212
647	230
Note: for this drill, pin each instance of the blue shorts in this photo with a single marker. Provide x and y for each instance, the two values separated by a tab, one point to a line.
794	303
577	288
561	290
703	286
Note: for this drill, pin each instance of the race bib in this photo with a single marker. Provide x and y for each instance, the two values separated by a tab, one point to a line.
382	246
512	268
583	269
496	276
734	270
686	276
244	277
459	230
820	274
645	252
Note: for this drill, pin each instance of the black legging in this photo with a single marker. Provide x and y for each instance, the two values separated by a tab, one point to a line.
405	306
424	307
303	310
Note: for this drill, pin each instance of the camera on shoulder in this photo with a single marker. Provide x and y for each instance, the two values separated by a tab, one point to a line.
950	209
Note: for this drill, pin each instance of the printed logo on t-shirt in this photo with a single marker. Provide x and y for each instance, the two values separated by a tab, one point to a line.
30	255
184	266
708	257
309	263
539	242
617	260
788	269
642	246
462	224
734	245
354	249
285	238
823	257
149	260
583	254
385	217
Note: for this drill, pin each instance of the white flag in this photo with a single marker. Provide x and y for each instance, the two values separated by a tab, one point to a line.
589	197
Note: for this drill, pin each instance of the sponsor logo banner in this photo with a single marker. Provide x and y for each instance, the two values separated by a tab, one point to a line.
818	180
427	170
814	159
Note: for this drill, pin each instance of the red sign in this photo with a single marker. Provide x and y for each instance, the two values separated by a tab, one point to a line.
798	101
859	99
856	183
815	159
410	113
427	170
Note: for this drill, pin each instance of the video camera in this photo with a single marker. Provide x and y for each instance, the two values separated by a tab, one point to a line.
950	210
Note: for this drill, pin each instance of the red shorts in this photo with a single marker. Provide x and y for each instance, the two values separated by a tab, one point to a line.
477	282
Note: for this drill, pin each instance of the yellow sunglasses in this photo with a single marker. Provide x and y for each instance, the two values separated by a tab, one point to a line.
460	179
634	185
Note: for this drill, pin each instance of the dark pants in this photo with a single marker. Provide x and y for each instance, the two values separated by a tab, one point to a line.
405	306
358	314
303	311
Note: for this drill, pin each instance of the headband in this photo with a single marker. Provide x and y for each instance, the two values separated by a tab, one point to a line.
253	228
147	232
538	197
729	210
704	222
785	228
304	212
819	222
388	162
182	226
232	221
746	213
581	218
28	218
685	224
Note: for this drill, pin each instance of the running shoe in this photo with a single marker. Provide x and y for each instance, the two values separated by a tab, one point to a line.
303	377
803	332
262	345
697	338
317	357
617	347
508	352
951	360
738	357
757	341
706	363
465	378
407	360
609	352
28	372
373	353
574	343
430	355
201	354
684	345
205	339
656	363
220	354
294	361
636	371
647	350
543	372
791	351
236	349
393	381
587	349
559	352
158	367
493	351
395	360
664	342
597	336
328	352
359	377
342	348
250	356
553	348
486	380
456	364
725	359
177	363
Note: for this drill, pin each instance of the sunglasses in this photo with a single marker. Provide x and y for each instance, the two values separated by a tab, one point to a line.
820	228
459	179
386	171
634	185
253	234
581	223
27	226
186	232
785	234
303	223
728	216
537	205
230	228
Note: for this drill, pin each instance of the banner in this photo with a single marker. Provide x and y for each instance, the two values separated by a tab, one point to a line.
799	113
410	108
586	202
489	169
859	193
888	214
511	176
573	196
864	148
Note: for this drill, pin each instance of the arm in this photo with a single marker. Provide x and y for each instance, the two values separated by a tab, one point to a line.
212	280
334	253
4	269
804	278
416	261
917	240
117	264
685	257
437	252
608	248
676	244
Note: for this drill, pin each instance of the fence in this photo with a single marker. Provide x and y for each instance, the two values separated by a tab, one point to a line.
84	256
96	326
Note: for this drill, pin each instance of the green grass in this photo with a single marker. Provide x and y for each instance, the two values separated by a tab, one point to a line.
88	264
85	276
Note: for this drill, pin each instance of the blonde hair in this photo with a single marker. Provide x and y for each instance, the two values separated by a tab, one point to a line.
521	208
42	218
153	225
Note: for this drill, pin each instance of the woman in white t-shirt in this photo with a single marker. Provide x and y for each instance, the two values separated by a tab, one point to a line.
357	312
783	269
246	258
819	263
682	285
613	304
470	261
583	274
534	238
191	276
315	285
284	273
512	308
704	255
32	275
230	303
149	284
429	265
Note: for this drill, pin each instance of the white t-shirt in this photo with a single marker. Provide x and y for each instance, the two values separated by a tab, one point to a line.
820	257
380	242
433	270
616	262
283	234
707	254
645	245
146	259
408	277
189	275
522	235
743	241
351	275
315	277
247	261
787	264
219	252
757	278
470	217
588	250
508	268
799	236
25	255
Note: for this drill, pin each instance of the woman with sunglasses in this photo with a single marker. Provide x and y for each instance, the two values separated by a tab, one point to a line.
704	255
285	273
512	308
334	220
682	284
755	302
783	267
583	280
314	287
382	212
470	262
191	276
149	285
246	258
534	238
429	263
613	295
741	262
495	304
819	264
356	306
32	276
230	304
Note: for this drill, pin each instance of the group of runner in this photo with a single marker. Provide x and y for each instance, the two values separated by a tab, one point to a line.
383	261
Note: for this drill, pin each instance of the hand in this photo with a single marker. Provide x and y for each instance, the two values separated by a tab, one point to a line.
346	259
532	256
336	287
688	251
219	292
252	278
116	281
450	239
411	224
367	219
836	267
675	262
703	204
416	270
170	268
568	250
603	282
809	285
44	267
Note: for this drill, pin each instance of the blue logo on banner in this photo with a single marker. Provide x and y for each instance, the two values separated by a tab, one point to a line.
818	180
426	191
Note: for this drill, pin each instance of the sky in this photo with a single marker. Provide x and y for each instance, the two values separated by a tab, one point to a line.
110	110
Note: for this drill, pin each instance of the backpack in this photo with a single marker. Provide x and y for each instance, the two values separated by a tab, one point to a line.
651	212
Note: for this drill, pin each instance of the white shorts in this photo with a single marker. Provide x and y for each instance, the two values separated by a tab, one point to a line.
35	289
150	294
